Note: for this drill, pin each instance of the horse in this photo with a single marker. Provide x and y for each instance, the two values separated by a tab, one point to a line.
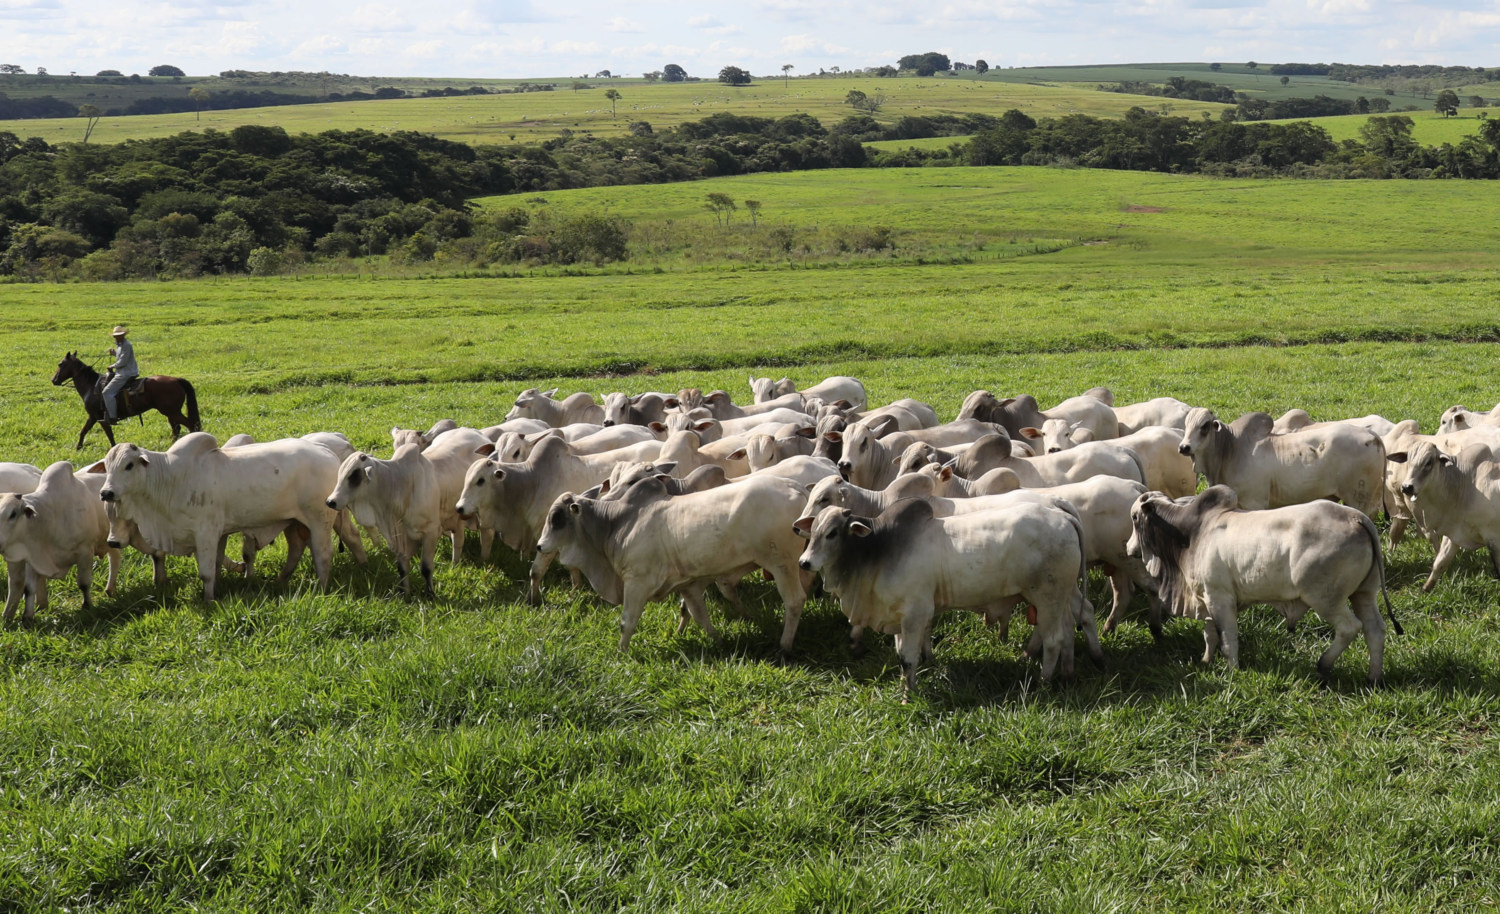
164	394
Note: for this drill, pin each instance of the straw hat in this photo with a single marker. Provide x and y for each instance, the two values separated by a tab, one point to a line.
119	331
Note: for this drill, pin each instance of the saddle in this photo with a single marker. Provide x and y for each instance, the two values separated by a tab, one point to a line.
132	388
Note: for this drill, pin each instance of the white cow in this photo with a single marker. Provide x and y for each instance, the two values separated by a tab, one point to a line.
401	498
1458	496
1164	411
649	544
1210	558
1266	470
186	499
829	390
894	573
59	525
1459	418
541	405
451	454
1167	469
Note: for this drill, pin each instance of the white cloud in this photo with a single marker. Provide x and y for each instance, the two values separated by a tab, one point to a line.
621	24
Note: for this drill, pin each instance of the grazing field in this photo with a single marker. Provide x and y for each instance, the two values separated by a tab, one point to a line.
1428	127
536	116
290	750
1258	82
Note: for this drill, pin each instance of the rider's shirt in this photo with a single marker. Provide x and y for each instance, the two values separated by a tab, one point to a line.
124	365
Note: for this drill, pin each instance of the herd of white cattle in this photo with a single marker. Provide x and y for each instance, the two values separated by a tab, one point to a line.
902	516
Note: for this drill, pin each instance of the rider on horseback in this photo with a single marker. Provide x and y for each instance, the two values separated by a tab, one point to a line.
125	371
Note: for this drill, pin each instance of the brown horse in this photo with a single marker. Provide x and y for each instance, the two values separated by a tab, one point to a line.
159	392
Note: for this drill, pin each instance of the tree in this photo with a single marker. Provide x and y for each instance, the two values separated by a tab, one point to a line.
925	64
1251	64
613	95
981	66
754	207
602	74
109	73
1476	101
165	69
672	73
652	77
11	69
722	206
866	104
41	71
1446	103
734	76
1389	137
883	72
786	71
200	98
1285	80
1216	67
91	115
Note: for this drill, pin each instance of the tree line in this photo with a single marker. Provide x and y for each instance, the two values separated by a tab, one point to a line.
255	198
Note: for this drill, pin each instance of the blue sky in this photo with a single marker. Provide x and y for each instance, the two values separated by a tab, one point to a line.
521	38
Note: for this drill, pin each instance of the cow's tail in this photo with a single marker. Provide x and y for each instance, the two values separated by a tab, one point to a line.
193	423
1369	527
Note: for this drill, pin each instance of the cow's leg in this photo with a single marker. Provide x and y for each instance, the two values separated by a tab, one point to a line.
112	583
456	541
1445	555
86	580
429	551
1226	616
1363	603
857	646
916	621
692	602
207	551
349	535
1398	529
1120	591
36	597
1210	640
1088	624
15	588
729	588
1494	559
247	553
159	570
403	565
539	566
791	583
299	539
1346	627
486	543
631	607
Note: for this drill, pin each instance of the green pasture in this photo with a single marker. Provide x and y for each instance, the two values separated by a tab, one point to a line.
288	750
1260	82
1428	127
536	116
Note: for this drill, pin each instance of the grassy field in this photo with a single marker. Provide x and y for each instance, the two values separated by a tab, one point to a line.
289	750
1428	127
536	116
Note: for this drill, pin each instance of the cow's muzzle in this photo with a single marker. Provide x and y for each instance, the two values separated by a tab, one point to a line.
1054	450
608	423
114	544
1185	450
332	503
106	494
845	467
804	564
1409	490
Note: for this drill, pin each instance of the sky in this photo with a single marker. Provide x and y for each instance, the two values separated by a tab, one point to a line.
538	38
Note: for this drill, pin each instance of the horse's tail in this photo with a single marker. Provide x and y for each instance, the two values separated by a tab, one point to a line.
194	425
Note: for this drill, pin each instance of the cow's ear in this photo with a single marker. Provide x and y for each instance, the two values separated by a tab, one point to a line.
738	455
144	461
369	472
1218	426
806	431
96	468
485	449
946	473
714	397
549	394
703	425
860	528
666	467
658	427
803	527
671	403
601	489
1398	457
498	473
834	436
575	508
1032	434
1445	460
29	511
811	486
1006	402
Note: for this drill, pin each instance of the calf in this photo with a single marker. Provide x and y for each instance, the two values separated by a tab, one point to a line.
829	390
1167	469
399	497
541	405
59	525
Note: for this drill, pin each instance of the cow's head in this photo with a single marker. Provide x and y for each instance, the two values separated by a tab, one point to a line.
1423	461
1056	435
826	535
1201	428
15	512
863	454
355	475
124	471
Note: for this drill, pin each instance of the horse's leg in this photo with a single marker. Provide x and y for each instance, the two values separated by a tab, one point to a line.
109	432
83	434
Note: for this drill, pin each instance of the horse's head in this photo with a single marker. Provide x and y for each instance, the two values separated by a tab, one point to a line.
67	369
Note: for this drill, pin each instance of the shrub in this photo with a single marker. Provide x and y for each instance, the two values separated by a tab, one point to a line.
264	262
